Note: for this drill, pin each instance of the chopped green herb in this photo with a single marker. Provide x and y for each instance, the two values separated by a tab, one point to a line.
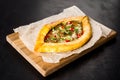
64	32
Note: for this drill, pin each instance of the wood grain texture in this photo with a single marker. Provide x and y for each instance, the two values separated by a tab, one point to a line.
48	68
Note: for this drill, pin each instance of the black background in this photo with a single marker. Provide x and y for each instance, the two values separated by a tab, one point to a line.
102	63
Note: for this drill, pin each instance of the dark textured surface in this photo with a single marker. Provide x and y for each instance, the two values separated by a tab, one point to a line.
101	64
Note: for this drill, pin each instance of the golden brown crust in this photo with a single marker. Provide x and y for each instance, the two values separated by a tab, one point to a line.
41	46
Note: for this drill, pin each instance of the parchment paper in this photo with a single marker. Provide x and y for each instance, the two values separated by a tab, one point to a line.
28	34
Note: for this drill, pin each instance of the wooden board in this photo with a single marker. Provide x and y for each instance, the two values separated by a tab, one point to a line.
47	68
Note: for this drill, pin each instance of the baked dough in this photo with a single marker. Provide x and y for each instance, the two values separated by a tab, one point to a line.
42	46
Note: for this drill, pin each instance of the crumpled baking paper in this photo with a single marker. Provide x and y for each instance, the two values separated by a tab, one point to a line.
28	34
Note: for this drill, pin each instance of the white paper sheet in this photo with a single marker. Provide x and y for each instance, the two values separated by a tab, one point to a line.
28	34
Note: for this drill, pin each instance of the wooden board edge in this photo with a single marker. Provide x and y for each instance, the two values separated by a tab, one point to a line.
50	71
76	56
40	70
